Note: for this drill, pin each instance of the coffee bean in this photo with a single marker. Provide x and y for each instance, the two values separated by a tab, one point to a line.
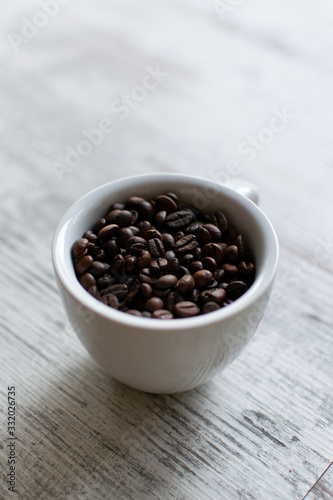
203	278
159	218
195	265
209	263
186	309
219	275
83	264
146	277
87	280
168	241
142	206
106	281
193	227
136	245
186	244
156	248
214	232
230	269
92	237
130	264
110	300
214	295
99	225
169	255
146	314
194	295
246	269
235	289
79	248
179	219
203	235
210	307
232	231
117	263
213	250
123	236
120	290
134	312
164	202
155	268
120	217
173	266
100	255
182	271
231	254
144	226
154	303
173	196
166	281
93	291
162	292
143	260
221	222
152	233
132	291
110	248
98	269
197	253
186	284
117	206
146	290
162	314
135	230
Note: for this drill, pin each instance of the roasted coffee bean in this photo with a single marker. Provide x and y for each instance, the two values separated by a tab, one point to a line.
162	292
83	264
162	314
235	289
120	217
186	244
231	254
120	290
144	226
105	281
152	233
79	248
203	235
166	281
221	222
186	284
210	307
130	263
246	269
193	227
87	280
143	260
173	196
232	231
209	263
134	312
155	268
173	265
159	218
179	219
146	277
182	271
142	206
154	303
168	241
197	253
110	248
93	291
110	300
203	278
117	206
230	269
186	259
219	275
100	255
213	231
164	202
99	225
214	295
178	235
146	314
194	295
186	309
92	237
99	269
135	230
195	265
213	250
156	248
118	263
136	245
123	236
133	289
146	290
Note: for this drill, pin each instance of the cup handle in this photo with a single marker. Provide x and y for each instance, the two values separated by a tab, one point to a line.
245	188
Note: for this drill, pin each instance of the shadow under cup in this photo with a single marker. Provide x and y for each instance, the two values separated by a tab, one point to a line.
165	356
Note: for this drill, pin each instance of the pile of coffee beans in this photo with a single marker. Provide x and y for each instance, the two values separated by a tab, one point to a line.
162	259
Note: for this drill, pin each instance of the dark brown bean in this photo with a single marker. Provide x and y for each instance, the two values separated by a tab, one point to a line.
235	289
130	263
168	241
210	307
152	233
214	232
106	281
245	269
195	265
164	202
214	295
162	314
221	222
136	245
186	309
179	219
209	263
99	269
173	266
80	248
110	248
133	312
142	206
132	291
162	292
230	269
117	263
159	218
166	281
219	275
99	225
146	277
123	236
87	280
143	260
213	250
83	264
154	303
186	284
186	259
146	290
231	254
120	290
144	226
93	290
92	237
156	248
120	217
110	300
203	235
203	278
186	244
108	231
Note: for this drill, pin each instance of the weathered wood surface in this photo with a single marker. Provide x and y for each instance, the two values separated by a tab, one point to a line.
262	429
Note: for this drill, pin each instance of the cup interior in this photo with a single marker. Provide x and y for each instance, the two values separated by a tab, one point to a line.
202	194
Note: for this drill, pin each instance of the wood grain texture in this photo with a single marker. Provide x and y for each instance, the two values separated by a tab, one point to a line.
264	428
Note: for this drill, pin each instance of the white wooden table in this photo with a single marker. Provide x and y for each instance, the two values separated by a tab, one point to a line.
244	91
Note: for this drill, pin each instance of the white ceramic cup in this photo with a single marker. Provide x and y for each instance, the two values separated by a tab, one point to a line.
166	356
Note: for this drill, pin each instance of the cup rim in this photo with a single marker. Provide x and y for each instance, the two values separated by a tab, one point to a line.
79	294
